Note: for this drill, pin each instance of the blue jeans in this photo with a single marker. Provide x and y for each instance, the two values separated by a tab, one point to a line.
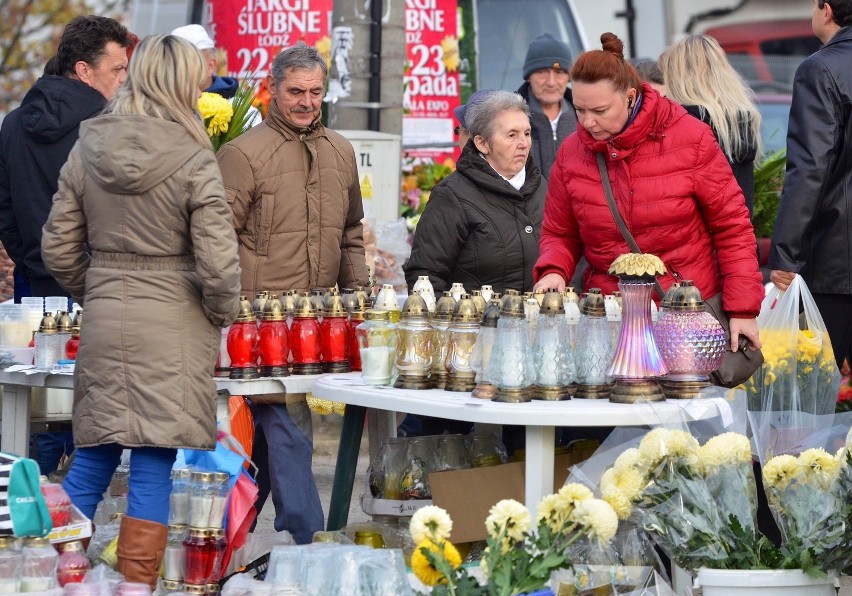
283	454
150	479
51	446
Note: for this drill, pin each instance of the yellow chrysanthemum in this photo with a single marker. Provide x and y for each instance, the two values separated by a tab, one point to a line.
424	570
430	523
550	510
598	517
726	449
450	47
652	446
818	467
629	458
780	470
574	493
510	516
323	46
618	501
216	112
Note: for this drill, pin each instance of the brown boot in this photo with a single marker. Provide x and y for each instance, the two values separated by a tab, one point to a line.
141	545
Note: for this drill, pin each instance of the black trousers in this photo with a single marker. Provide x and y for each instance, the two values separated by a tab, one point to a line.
836	311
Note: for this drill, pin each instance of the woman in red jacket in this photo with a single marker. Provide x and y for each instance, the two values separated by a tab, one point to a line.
672	184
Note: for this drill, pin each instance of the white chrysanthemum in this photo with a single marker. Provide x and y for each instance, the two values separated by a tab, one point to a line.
629	458
598	517
725	450
682	445
818	467
430	522
549	510
652	447
608	479
780	470
574	493
618	501
510	516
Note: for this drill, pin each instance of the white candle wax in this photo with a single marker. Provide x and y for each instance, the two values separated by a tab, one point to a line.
179	503
217	511
547	370
36	584
200	507
377	364
10	585
174	562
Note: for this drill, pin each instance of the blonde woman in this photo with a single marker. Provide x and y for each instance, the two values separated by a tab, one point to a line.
699	77
140	234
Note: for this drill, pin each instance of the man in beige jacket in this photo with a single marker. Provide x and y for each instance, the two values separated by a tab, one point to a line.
293	186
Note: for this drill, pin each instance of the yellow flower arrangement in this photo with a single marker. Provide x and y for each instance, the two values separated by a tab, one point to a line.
725	450
225	119
216	111
818	467
424	568
780	471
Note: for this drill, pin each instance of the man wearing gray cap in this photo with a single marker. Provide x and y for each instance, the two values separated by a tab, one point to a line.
552	116
197	35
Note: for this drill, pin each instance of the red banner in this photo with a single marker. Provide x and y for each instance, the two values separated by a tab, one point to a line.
254	31
431	76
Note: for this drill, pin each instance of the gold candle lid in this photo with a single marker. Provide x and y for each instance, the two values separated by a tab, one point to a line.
246	311
666	302
415	308
77	321
358	314
349	299
593	304
444	307
465	311
538	294
305	308
273	310
552	304
64	323
478	301
260	299
377	315
334	305
48	324
687	298
491	314
512	306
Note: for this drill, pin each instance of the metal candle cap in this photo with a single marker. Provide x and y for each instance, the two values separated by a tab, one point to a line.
334	305
512	305
478	301
246	311
349	299
552	303
445	306
288	302
466	311
48	324
260	298
377	315
414	308
363	299
273	310
63	322
305	308
687	298
491	314
538	294
666	302
359	314
593	304
77	322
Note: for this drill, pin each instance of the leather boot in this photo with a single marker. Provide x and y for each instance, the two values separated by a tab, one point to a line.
141	544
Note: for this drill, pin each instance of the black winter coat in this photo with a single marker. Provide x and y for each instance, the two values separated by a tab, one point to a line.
35	140
742	164
813	231
545	144
478	230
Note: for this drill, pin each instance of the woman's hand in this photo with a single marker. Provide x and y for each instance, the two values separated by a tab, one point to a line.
748	329
782	279
551	281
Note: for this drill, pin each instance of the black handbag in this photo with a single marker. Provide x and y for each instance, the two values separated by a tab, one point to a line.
737	367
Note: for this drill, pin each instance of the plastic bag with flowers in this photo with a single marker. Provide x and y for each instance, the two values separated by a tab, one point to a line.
520	557
807	474
799	372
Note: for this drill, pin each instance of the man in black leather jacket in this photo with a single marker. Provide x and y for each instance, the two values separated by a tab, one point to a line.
813	232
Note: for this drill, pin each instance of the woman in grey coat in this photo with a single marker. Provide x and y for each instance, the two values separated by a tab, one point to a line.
140	234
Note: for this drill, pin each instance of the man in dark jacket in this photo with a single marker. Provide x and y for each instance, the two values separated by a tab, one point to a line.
812	232
197	35
35	139
552	116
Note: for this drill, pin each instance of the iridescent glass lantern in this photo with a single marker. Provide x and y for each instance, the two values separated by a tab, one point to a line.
463	329
511	368
593	353
637	364
691	341
414	344
554	362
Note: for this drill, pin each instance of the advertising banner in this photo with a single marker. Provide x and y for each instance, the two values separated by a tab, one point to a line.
252	32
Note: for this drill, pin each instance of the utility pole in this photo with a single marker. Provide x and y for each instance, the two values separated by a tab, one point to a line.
376	65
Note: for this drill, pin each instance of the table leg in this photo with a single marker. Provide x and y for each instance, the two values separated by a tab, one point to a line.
539	464
16	420
344	470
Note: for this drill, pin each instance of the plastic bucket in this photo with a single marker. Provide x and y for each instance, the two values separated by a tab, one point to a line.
780	582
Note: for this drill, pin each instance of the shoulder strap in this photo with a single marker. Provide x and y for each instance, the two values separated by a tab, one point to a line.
616	215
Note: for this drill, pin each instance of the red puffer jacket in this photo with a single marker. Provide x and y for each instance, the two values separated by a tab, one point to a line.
676	193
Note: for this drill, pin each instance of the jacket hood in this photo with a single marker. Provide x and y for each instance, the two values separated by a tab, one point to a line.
224	86
56	105
656	115
473	166
132	154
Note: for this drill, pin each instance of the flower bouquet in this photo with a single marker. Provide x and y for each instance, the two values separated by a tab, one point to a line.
418	180
519	557
225	119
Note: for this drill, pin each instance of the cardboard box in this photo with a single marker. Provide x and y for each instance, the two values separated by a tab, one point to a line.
79	528
467	495
373	506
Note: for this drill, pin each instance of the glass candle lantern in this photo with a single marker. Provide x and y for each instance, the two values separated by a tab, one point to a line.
486	450
305	339
243	343
389	467
511	368
356	317
11	566
202	490
363	297
174	557
463	329
613	317
47	343
479	302
349	300
73	564
220	499
691	341
452	453
179	497
414	344
593	354
73	344
387	300
554	361
201	549
64	326
420	461
317	298
457	291
377	344
260	298
39	565
482	351
487	293
288	303
274	338
423	287
219	562
441	340
334	336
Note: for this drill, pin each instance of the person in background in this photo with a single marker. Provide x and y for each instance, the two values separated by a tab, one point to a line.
35	139
461	130
140	235
672	185
812	235
294	190
481	225
700	78
546	92
197	36
649	71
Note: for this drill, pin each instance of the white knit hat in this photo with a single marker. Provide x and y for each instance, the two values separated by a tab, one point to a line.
195	34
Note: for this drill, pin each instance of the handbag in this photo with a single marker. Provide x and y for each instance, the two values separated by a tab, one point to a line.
23	511
737	367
